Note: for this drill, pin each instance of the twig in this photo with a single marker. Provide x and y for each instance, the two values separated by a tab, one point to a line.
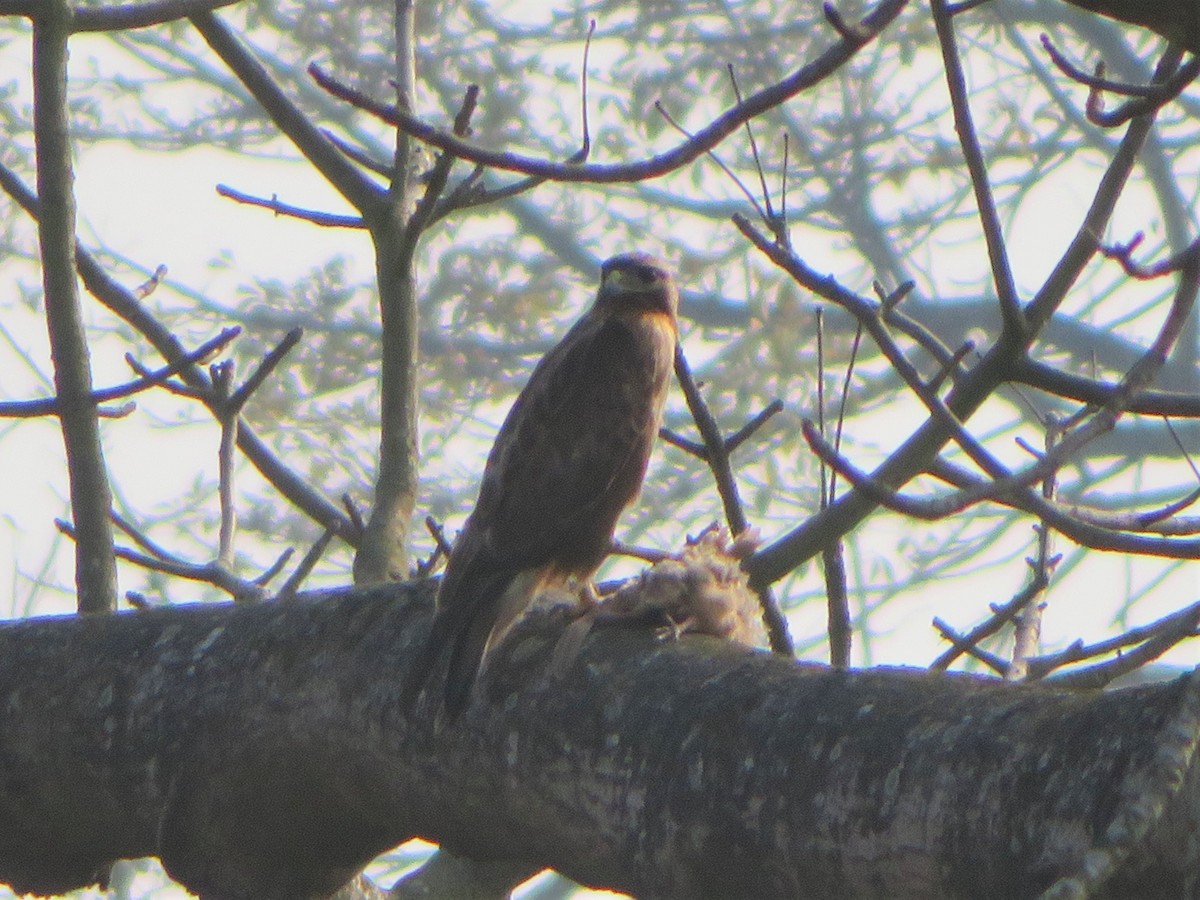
712	154
423	215
277	206
826	497
360	156
354	514
1157	521
291	587
844	402
1101	674
945	371
1027	623
1097	81
849	33
646	554
964	645
689	447
1169	90
748	430
1009	493
470	192
227	417
441	549
142	539
210	573
360	191
1000	617
438	533
1096	537
1179	445
276	567
1123	253
237	400
147	287
1083	389
837	605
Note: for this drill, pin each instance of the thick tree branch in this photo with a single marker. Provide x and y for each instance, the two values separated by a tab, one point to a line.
261	752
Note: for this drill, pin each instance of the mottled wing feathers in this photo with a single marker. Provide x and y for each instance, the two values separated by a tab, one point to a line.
573	451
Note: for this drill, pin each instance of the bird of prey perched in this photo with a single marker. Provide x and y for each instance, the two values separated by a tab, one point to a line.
569	458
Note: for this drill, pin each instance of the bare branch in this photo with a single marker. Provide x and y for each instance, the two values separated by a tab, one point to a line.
237	400
964	645
150	285
1168	91
323	219
1156	521
127	16
360	156
1001	616
706	139
1101	674
1178	626
1071	386
291	587
748	430
276	567
129	308
222	380
209	573
422	217
50	405
717	456
91	497
1006	289
363	194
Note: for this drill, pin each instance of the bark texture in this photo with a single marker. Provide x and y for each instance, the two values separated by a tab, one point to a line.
262	752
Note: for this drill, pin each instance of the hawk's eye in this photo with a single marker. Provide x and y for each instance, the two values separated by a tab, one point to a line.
631	275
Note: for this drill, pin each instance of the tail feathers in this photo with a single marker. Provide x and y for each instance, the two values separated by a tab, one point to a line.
465	624
466	657
424	663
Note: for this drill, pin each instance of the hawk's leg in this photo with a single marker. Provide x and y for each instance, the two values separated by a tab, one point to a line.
589	597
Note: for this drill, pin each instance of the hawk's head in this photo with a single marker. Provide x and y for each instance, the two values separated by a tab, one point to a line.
637	282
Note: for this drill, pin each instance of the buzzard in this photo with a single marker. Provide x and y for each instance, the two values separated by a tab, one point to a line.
569	458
